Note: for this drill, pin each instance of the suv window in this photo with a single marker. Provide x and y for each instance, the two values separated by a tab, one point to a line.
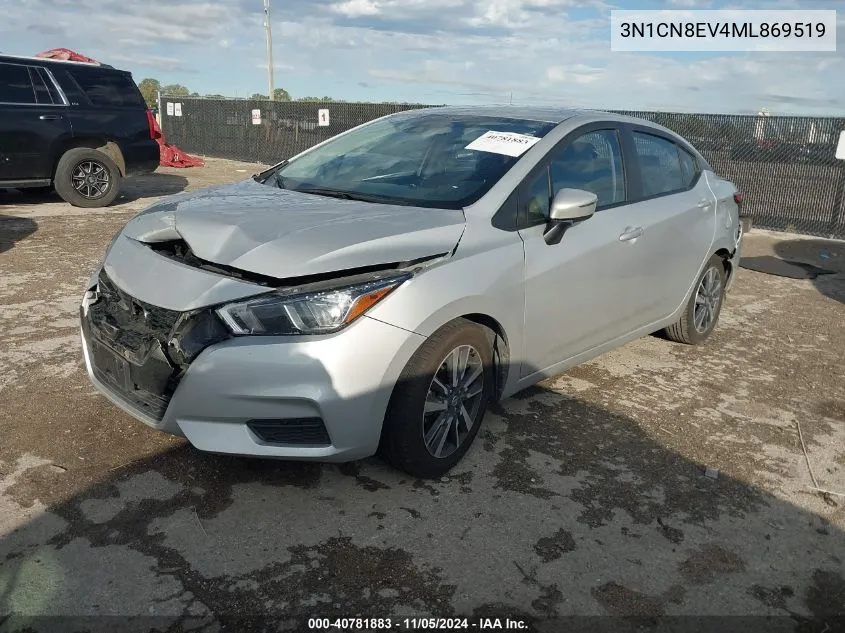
660	164
592	162
42	95
15	86
108	89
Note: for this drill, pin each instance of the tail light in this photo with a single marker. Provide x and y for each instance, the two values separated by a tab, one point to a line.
738	198
155	130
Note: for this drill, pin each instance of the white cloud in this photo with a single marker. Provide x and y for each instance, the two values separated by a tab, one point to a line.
357	8
149	61
442	50
575	73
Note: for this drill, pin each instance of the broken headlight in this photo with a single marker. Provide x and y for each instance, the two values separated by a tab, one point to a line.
193	334
320	311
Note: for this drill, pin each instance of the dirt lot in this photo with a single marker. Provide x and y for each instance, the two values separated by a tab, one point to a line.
584	496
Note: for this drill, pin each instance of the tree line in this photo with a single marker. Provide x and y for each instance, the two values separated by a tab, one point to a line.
150	88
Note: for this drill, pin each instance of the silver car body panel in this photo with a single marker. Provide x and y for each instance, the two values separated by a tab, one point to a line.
554	305
284	234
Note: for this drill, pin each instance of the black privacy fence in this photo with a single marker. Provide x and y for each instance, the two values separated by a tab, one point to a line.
786	167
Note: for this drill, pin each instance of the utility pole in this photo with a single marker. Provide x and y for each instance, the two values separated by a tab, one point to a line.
269	32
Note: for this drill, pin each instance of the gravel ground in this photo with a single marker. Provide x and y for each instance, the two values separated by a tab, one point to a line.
583	496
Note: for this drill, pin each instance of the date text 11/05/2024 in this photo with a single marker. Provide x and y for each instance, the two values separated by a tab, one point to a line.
366	625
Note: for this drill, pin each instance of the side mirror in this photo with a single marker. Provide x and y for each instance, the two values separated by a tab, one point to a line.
568	207
573	205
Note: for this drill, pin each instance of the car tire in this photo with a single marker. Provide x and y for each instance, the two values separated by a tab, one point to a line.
704	306
432	419
87	178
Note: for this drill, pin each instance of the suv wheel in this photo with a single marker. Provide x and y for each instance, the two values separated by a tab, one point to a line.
87	178
438	402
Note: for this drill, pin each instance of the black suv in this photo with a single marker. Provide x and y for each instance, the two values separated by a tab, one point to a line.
76	127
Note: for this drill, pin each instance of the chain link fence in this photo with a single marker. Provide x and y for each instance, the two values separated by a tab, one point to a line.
784	166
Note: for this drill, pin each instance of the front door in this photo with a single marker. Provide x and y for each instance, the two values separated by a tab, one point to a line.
576	291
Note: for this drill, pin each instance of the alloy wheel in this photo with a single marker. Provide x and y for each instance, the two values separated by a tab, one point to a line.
91	179
453	400
707	299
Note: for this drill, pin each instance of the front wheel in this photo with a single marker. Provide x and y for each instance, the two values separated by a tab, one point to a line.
87	178
438	403
704	306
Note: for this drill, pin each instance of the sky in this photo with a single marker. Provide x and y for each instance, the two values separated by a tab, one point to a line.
431	51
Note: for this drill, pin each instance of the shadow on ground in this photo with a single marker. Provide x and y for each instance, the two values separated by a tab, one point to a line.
560	508
822	254
14	229
152	185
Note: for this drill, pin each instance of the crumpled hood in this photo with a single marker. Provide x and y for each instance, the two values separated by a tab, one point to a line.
282	233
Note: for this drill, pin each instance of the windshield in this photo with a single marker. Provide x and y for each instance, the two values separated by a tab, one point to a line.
419	159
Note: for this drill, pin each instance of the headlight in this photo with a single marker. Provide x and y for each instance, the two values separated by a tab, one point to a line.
314	312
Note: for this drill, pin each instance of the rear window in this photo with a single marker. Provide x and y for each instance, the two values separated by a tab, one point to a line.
108	89
660	164
15	86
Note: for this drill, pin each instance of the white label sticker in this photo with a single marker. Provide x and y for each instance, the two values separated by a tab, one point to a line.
840	149
256	117
323	117
177	109
507	143
169	108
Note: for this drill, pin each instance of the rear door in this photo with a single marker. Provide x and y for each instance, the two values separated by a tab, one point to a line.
111	107
33	122
676	214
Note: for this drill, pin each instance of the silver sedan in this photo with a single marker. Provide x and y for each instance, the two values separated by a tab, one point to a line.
378	291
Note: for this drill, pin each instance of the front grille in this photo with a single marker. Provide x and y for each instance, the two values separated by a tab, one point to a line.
127	342
127	324
293	431
152	403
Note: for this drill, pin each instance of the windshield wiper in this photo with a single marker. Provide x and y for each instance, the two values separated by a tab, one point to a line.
344	195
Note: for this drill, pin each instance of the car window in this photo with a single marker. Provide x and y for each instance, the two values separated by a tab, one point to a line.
108	89
15	86
689	167
592	162
660	164
42	95
424	159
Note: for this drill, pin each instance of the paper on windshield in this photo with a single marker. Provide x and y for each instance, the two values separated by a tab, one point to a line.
507	143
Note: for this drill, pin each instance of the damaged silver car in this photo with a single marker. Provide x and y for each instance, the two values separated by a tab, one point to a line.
377	292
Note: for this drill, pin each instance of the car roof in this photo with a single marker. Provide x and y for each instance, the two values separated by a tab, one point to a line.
546	114
554	115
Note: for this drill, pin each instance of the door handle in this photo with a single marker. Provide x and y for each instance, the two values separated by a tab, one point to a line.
704	204
631	233
50	117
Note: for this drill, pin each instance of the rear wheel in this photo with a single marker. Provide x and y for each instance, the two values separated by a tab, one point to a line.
438	403
87	178
704	306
